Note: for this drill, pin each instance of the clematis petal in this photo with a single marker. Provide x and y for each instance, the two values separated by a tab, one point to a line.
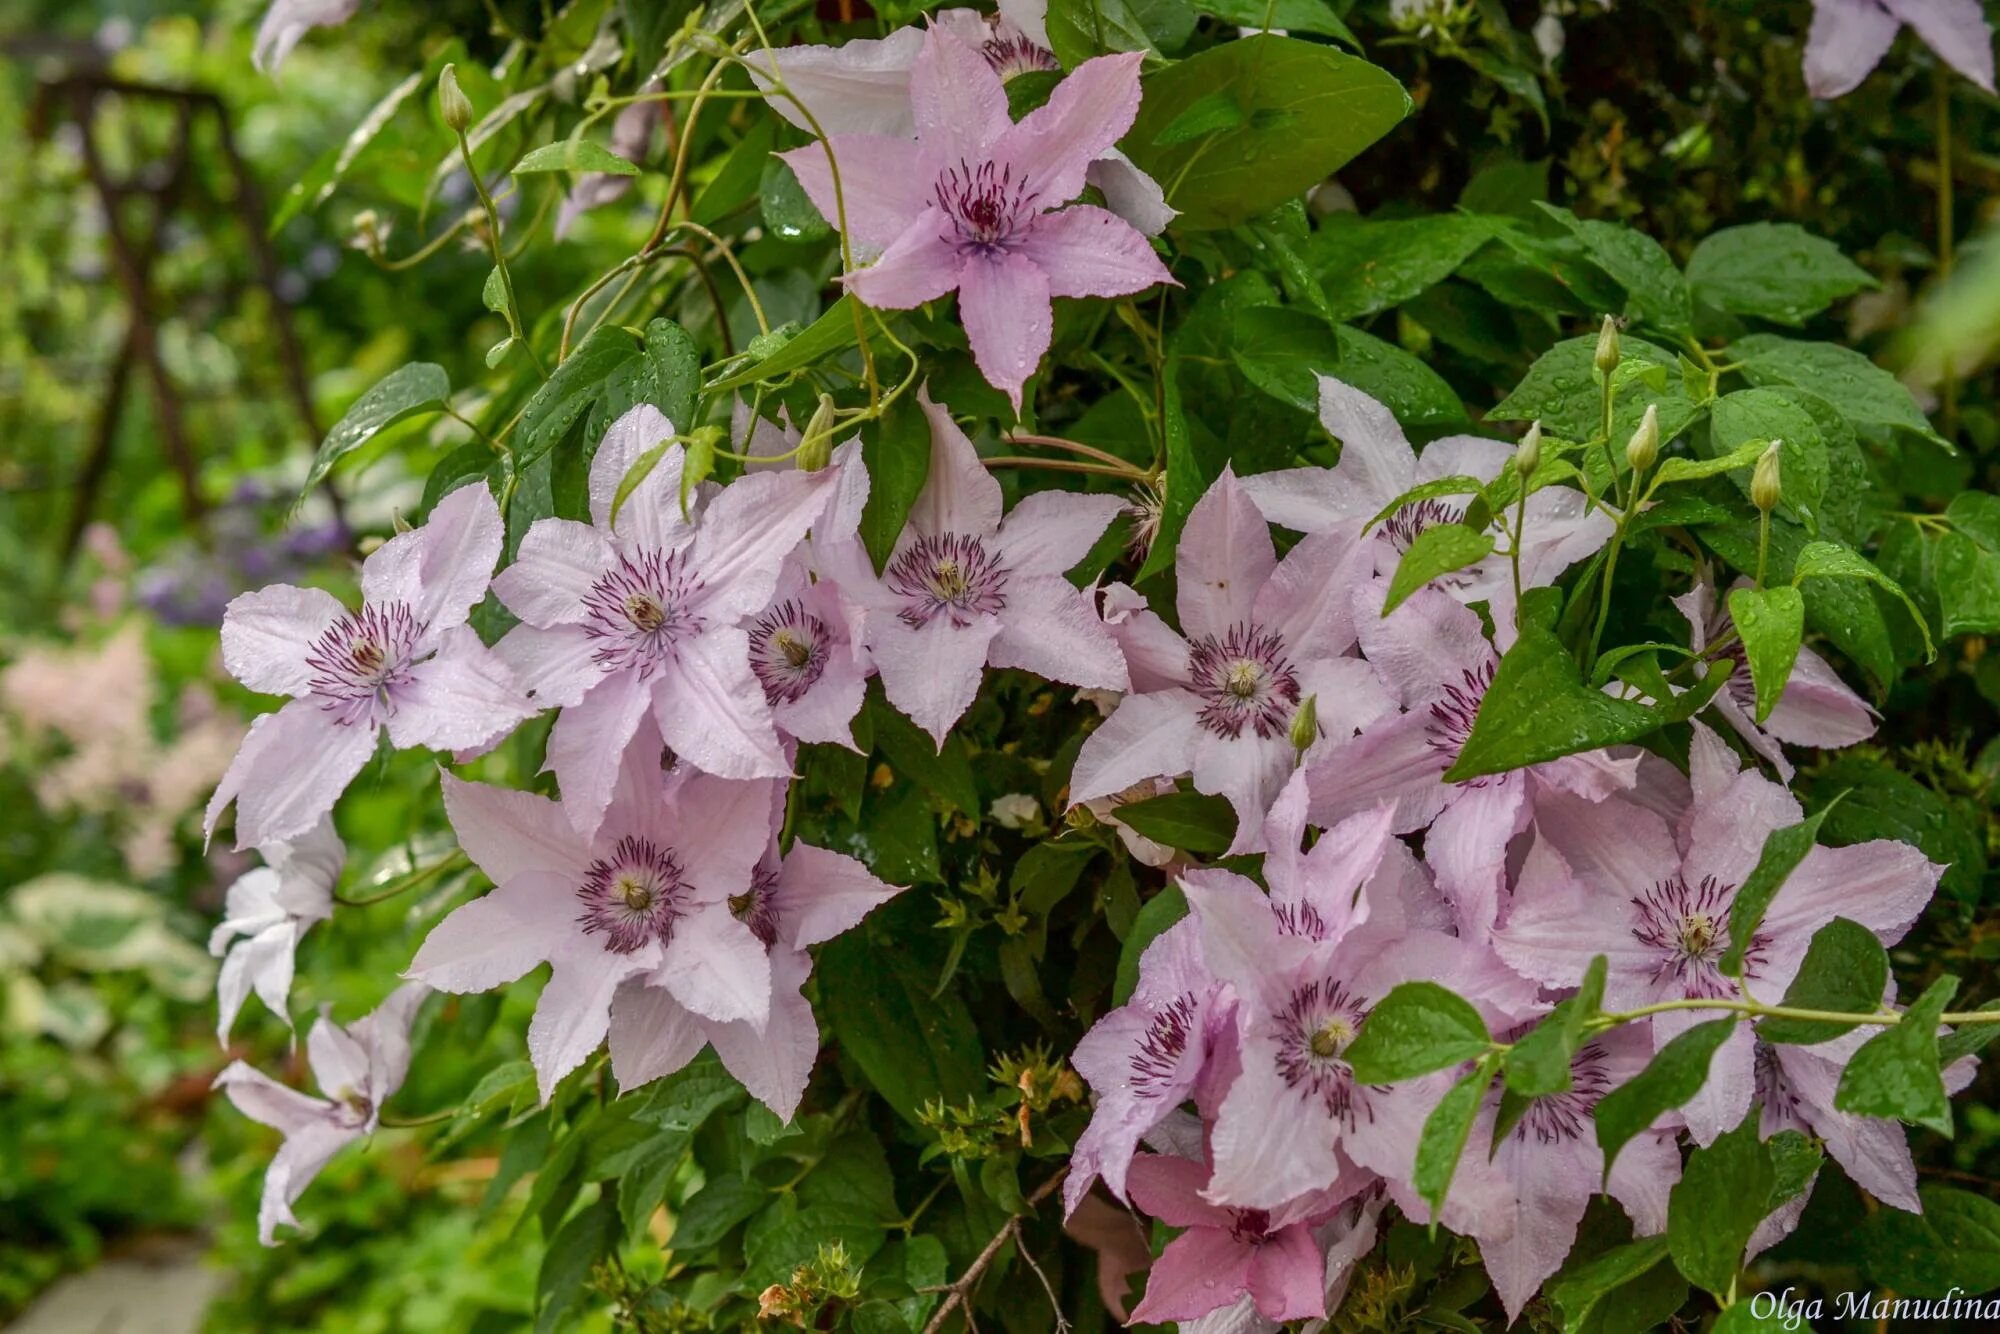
588	740
268	634
713	713
1956	30
1200	1271
283	25
958	101
932	673
1131	193
1053	146
1224	558
1392	760
291	769
463	697
1307	600
1049	532
1050	627
723	826
1170	1189
717	968
1308	500
1818	708
1249	770
1003	301
1612	845
1725	1096
441	570
293	1167
746	534
508	833
652	1035
574	1014
883	184
1376	462
1429	644
820	894
858	87
919	265
493	940
1288	1277
267	1102
651	518
553	572
556	667
1088	251
775	1063
959	495
1848	38
1148	736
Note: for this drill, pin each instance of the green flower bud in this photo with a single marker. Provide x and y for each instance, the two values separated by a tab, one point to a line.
1528	454
1606	359
816	445
1766	486
1305	724
453	104
1644	446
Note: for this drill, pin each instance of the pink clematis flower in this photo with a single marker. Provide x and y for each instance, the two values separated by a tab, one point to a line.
1523	1199
406	661
1848	38
863	87
641	618
807	896
964	588
270	908
1817	708
1226	1252
1433	658
287	21
974	204
646	897
1611	878
358	1068
1377	465
1262	635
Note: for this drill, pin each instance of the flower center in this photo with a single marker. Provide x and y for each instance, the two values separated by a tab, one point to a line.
361	660
1244	680
1158	1058
788	651
1315	1025
1686	927
987	204
1010	52
1404	526
632	896
1249	1227
1557	1117
757	908
1452	715
638	609
950	574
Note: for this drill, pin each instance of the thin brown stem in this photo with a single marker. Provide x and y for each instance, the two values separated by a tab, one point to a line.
958	1292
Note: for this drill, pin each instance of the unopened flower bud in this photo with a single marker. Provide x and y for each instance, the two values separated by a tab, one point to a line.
816	445
1305	724
453	104
1644	446
1528	454
1606	359
1766	486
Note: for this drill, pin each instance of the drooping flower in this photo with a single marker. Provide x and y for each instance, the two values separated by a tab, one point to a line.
1817	708
407	661
807	896
1262	635
863	87
1377	465
645	617
1434	660
270	908
976	203
1848	38
1612	878
646	896
964	587
357	1067
287	21
1225	1252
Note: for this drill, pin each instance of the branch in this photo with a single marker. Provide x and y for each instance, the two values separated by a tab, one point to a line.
959	1291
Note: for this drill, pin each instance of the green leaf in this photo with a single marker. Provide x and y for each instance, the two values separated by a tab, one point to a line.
1968	1040
1191	821
943	770
1830	560
572	389
1445	1131
318	184
1954	1243
789	1232
833	331
1366	267
745	175
1402	383
1723	1194
787	212
1415	1029
1772	622
1539	1062
897	454
1968	587
575	155
1674	1075
686	1099
1186	478
1882	801
715	1211
1313	16
1155	916
910	1045
1762	415
414	388
1896	1072
1655	291
1781	854
1977	515
1080	29
1864	392
576	1246
1538	708
1773	271
1563	391
1308	109
1578	1293
1440	486
1845	969
1680	469
1438	550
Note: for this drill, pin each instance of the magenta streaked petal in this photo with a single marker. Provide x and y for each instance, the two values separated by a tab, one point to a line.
441	570
1089	111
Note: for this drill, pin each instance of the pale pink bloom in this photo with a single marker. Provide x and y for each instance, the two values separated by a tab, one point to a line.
1523	1199
286	21
357	1067
407	661
1612	878
1346	1236
1262	635
646	897
975	203
1433	658
1226	1252
1848	38
1377	465
965	587
808	896
270	908
631	135
1817	708
863	87
646	617
1307	963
